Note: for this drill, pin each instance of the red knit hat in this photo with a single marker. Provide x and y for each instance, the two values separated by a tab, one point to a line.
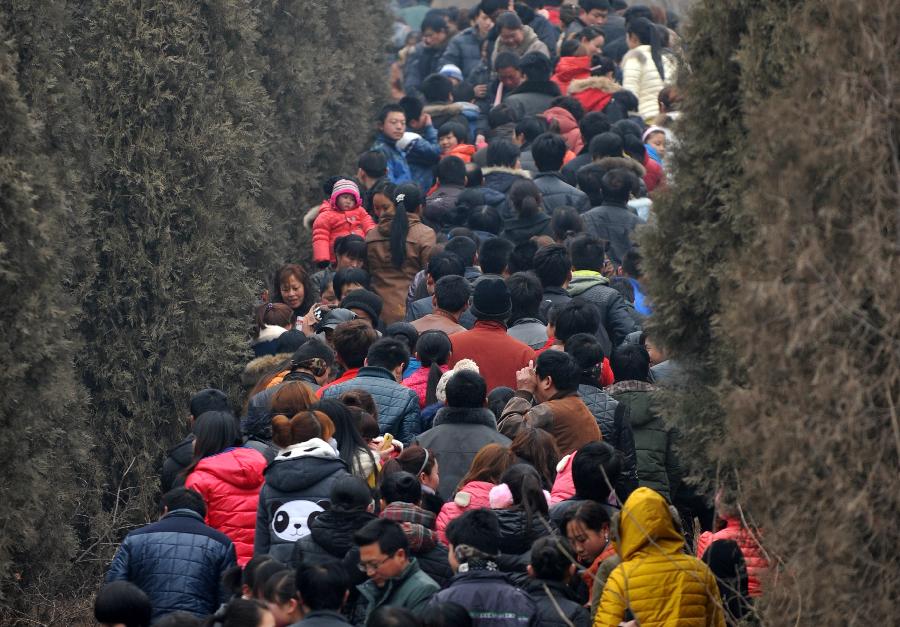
344	186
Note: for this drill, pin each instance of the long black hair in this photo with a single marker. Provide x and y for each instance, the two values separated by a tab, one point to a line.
214	431
646	33
349	440
525	485
433	350
407	199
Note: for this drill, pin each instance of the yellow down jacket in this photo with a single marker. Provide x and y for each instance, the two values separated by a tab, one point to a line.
657	581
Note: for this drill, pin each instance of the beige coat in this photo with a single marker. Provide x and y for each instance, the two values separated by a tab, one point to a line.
640	77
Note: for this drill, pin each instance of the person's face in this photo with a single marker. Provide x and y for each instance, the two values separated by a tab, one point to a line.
434	38
594	17
292	292
284	613
656	355
448	142
328	299
394	125
380	567
346	202
483	23
593	46
588	544
512	37
382	204
346	261
433	480
658	142
509	77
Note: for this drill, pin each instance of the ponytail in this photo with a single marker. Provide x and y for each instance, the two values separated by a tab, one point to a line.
524	484
433	350
646	33
408	198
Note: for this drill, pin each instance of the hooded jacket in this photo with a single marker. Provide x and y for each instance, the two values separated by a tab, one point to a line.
569	69
522	228
296	482
556	193
229	483
497	182
456	437
614	224
333	223
612	418
658	466
641	77
656	580
398	406
568	127
177	459
530	43
593	92
617	323
473	495
330	537
516	539
757	564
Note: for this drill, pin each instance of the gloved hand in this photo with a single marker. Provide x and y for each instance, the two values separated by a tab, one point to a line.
406	141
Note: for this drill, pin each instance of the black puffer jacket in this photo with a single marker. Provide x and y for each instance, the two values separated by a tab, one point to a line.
497	182
330	537
516	540
521	229
557	193
178	458
614	317
615	224
612	417
563	610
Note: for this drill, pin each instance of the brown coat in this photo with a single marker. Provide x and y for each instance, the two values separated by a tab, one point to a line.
389	282
438	321
565	416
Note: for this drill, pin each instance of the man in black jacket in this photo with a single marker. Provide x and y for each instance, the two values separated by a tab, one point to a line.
178	562
548	151
323	590
613	221
179	456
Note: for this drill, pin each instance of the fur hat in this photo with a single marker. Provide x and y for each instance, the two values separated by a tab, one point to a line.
491	300
463	364
345	186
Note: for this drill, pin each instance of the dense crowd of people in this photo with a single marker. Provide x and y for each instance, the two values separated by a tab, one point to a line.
452	416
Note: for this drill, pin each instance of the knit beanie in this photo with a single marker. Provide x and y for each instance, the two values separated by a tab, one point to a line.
313	349
463	364
366	301
491	300
345	186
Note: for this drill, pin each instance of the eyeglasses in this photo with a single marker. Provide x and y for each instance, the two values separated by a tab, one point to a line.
365	567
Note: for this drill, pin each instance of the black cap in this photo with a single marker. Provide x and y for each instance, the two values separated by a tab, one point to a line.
313	349
490	300
335	317
367	301
209	399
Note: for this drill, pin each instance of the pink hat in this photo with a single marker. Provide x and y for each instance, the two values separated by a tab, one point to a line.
344	186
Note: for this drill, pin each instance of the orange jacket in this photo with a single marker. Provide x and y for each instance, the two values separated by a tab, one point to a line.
569	69
757	564
463	151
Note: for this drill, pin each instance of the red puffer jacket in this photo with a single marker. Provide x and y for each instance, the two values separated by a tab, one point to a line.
332	224
569	69
568	127
229	482
757	564
473	495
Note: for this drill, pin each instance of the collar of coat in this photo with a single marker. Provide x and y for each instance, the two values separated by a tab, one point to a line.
594	82
627	163
499	169
443	108
315	447
548	88
630	386
377	372
465	416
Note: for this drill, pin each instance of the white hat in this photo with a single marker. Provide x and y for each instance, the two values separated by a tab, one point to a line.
451	71
463	364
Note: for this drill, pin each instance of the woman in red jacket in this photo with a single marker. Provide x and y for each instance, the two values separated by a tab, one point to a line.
228	477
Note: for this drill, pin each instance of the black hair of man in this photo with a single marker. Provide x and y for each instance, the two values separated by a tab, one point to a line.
466	389
388	534
506	60
181	618
586	350
451	171
630	362
587	252
434	21
445	263
588	5
589	178
623	286
322	586
456	129
570	104
627	127
522	257
560	367
474	176
352	340
464	247
531	127
536	66
347	276
387	353
591	125
501	114
122	602
548	150
634	148
606	144
386	110
552	265
183	498
508	20
446	614
393	616
577	316
437	89
452	293
502	153
588	33
401	486
525	292
618	184
631	264
209	399
412	107
477	528
494	255
373	163
403	331
638	11
550	558
464	231
485	218
464	92
597	469
490	7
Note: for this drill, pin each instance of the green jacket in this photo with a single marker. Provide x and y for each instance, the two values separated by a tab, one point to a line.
411	590
654	442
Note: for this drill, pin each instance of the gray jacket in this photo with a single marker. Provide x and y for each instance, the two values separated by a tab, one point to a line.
557	193
613	223
464	51
612	418
529	331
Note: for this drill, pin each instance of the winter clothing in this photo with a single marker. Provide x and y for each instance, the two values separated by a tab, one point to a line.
418	524
613	223
568	127
555	193
563	610
532	97
368	302
464	51
422	62
397	166
757	564
497	183
569	171
655	572
322	618
457	435
178	562
463	151
441	202
615	321
565	416
423	307
546	31
230	482
348	375
418	382
333	223
497	354
410	590
177	459
391	282
330	538
473	495
398	406
422	154
266	343
300	477
612	418
593	92
654	443
569	69
640	76
552	297
438	320
530	331
463	113
654	176
490	598
521	229
516	538
530	43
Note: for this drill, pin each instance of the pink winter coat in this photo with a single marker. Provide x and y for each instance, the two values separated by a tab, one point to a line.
229	482
568	127
473	495
418	382
564	485
331	224
757	565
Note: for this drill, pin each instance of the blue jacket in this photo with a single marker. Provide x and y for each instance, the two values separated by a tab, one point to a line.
398	406
490	598
422	155
178	562
397	167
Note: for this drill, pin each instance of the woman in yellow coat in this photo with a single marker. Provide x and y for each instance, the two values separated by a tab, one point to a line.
660	584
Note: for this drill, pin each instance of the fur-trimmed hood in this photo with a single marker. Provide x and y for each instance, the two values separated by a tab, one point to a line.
450	109
525	174
465	415
262	366
602	83
610	163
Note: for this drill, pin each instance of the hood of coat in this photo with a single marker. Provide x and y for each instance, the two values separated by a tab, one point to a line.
301	466
257	368
583	280
610	163
638	395
569	68
602	83
333	530
441	109
183	452
240	467
567	122
500	179
646	526
465	416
